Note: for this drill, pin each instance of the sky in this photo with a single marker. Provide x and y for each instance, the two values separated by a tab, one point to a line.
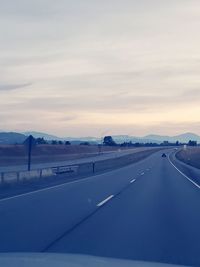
90	68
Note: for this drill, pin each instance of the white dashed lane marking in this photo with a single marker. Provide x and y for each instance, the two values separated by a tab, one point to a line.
105	201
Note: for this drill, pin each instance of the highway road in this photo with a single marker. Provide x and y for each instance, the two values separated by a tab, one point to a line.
147	211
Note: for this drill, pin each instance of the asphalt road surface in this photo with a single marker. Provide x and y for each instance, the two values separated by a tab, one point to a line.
147	211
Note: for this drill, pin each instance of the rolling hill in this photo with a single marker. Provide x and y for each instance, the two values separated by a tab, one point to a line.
12	138
18	138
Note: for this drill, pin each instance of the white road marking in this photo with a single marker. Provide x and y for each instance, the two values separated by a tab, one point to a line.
105	201
184	174
55	186
132	181
49	188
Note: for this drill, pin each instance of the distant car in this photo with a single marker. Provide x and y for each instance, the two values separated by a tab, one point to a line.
164	155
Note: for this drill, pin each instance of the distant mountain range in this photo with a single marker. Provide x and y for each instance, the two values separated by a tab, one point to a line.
74	140
46	136
19	138
12	138
183	138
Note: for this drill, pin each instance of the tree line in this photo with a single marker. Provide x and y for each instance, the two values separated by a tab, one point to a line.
109	141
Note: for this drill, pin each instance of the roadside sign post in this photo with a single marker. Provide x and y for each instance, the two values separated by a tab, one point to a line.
99	148
29	152
30	142
93	167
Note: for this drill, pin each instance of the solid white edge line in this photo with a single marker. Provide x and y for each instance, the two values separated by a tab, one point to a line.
184	174
55	186
105	201
49	188
132	181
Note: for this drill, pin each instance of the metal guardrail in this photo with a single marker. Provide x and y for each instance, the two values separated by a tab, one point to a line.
19	176
65	169
13	177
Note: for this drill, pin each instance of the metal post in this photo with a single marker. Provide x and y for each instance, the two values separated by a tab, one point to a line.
93	167
99	147
2	177
18	177
29	152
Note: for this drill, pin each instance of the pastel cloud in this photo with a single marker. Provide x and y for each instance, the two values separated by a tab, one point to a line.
66	64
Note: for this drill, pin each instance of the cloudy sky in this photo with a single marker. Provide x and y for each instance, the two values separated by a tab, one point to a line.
79	68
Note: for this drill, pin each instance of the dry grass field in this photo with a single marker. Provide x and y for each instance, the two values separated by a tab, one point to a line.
17	154
190	155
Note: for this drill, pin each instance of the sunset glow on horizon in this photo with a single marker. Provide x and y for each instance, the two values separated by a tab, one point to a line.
81	68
